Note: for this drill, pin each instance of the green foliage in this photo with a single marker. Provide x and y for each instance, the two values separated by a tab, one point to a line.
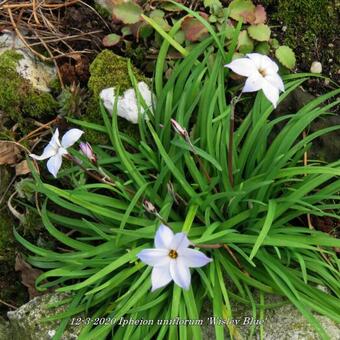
256	217
259	32
245	44
128	12
238	7
149	24
111	40
286	56
18	99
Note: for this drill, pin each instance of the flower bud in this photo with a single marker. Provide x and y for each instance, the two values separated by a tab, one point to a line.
86	150
149	207
179	129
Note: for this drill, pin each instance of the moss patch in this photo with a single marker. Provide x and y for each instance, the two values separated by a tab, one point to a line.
311	29
18	99
7	252
108	70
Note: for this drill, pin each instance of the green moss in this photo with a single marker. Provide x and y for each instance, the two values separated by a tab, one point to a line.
55	86
7	251
111	70
311	25
108	70
18	99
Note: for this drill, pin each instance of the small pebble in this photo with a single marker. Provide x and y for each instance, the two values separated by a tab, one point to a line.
316	67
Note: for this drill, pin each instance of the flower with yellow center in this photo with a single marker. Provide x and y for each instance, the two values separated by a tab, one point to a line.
261	73
171	259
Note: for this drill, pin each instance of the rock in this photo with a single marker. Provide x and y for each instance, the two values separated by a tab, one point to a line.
109	70
325	148
26	322
316	67
19	100
127	106
39	74
284	323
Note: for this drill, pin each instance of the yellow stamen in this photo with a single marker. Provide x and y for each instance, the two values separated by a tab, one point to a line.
173	254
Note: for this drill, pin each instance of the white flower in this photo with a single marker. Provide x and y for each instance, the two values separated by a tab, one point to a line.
127	106
171	259
261	73
56	150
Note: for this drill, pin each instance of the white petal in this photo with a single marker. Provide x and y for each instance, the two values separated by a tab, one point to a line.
264	62
253	83
154	257
54	164
243	66
276	81
49	151
194	258
256	58
70	137
51	148
163	238
55	139
179	242
180	273
160	276
271	92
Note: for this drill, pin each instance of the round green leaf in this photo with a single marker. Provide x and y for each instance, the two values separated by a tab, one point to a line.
259	32
127	12
237	7
286	56
262	48
275	43
245	44
111	40
156	13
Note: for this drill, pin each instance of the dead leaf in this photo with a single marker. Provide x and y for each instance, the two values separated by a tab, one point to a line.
28	275
260	15
22	168
9	153
248	17
193	29
256	16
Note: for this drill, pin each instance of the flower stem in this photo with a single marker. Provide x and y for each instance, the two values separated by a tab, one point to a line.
233	103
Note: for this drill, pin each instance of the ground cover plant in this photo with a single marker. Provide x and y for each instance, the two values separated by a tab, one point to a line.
240	200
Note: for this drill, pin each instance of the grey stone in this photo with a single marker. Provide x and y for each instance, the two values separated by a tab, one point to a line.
325	148
26	322
281	323
29	67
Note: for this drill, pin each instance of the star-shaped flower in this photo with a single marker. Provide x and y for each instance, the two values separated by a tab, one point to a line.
55	150
261	73
171	259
